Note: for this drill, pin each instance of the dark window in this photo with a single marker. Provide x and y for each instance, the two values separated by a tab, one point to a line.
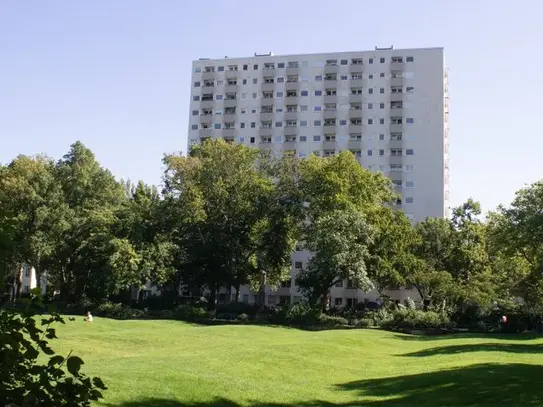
281	65
195	112
382	60
410	59
253	125
196	98
371	60
196	84
255	67
220	68
245	67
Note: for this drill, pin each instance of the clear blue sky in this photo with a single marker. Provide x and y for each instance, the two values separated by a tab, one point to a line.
116	74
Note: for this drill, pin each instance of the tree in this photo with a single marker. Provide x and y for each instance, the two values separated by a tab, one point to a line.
339	241
24	379
221	194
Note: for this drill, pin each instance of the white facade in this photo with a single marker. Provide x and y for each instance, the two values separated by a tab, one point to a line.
29	280
389	107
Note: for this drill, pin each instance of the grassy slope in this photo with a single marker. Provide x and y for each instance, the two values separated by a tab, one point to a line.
172	364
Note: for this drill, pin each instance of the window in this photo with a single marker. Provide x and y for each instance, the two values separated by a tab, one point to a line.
280	79
381	105
303	123
409	168
195	112
409	184
255	81
370	105
344	77
245	67
316	138
304	93
252	140
255	95
255	67
317	108
253	111
382	90
242	125
244	82
298	265
381	136
220	83
410	59
243	96
242	139
370	91
339	283
370	121
279	94
410	120
218	112
217	126
243	111
303	108
303	138
381	152
279	110
382	75
370	153
220	68
196	84
253	125
219	97
382	60
343	122
409	151
278	124
381	121
370	76
410	89
316	123
194	127
197	70
278	139
338	301
409	200
344	62
281	65
196	98
370	61
318	93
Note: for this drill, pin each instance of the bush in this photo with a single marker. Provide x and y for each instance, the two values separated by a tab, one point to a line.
237	308
331	321
364	323
119	311
187	312
417	319
243	317
302	314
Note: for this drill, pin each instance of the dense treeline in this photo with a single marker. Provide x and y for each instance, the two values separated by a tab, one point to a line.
229	216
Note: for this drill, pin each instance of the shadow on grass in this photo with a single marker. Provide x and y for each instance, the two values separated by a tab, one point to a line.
482	385
503	336
480	347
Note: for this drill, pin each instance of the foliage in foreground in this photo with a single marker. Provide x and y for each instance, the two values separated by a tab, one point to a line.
24	380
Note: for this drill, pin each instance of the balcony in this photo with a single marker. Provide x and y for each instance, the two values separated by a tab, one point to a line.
230	88
228	132
229	117
290	131
395	144
292	85
289	145
330	98
231	74
292	70
228	139
354	144
330	123
396	111
207	104
291	115
266	116
397	66
268	72
206	119
329	145
331	68
265	144
208	85
266	101
396	81
268	87
355	128
265	132
230	103
291	100
329	114
396	128
395	159
355	114
355	68
396	97
208	76
355	98
205	133
356	83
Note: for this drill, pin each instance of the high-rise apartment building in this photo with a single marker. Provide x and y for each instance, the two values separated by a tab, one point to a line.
387	106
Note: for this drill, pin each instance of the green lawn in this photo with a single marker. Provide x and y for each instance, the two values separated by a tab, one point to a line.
173	364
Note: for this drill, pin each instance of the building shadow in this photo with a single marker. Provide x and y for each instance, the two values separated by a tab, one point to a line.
479	347
481	385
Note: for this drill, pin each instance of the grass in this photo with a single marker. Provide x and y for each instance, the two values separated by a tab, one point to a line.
174	364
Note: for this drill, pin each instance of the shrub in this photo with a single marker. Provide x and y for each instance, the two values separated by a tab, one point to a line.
237	308
119	311
417	319
302	314
187	312
331	321
243	317
364	323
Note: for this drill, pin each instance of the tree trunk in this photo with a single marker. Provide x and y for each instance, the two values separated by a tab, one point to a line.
262	290
238	286
19	281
